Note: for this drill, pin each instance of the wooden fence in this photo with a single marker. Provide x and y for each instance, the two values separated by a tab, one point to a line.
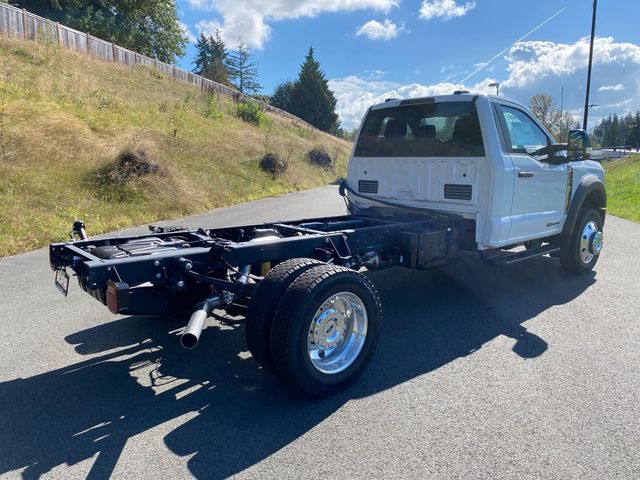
15	22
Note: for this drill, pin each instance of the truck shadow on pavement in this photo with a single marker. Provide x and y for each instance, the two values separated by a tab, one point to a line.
235	414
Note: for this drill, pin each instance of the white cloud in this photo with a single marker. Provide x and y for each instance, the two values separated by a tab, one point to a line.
187	31
375	74
250	19
355	94
446	68
537	66
532	60
375	30
444	9
611	88
532	67
200	4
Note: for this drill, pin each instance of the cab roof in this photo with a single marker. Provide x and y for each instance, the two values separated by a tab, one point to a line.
458	96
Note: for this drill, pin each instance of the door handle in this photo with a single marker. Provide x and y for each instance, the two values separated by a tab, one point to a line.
525	174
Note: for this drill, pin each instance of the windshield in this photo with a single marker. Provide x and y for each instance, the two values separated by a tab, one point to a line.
448	129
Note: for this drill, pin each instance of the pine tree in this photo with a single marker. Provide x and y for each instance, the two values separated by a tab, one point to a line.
311	99
203	55
243	70
634	131
281	97
212	57
218	70
612	133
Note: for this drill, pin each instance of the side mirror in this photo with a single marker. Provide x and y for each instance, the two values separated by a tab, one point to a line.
579	147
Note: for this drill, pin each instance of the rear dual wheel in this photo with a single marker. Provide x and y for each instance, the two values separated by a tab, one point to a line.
325	328
264	303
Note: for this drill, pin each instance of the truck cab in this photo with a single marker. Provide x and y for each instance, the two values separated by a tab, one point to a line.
479	157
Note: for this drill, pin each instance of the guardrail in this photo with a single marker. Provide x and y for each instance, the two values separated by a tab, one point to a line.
15	22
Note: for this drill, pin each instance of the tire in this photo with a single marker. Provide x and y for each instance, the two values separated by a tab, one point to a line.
264	303
577	252
327	361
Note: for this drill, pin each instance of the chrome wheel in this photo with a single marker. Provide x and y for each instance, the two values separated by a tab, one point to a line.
337	333
591	242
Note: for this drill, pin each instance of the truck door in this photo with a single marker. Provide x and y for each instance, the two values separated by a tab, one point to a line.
540	187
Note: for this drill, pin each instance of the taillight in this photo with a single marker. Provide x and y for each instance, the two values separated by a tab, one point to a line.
117	296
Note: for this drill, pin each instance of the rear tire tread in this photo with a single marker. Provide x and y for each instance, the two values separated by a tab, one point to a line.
291	310
264	303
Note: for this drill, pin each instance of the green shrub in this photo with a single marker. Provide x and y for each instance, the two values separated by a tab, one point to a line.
101	99
302	132
211	109
250	112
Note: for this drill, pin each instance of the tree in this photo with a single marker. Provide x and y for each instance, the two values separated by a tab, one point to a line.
243	70
212	57
612	133
281	97
634	131
542	106
203	55
150	27
311	98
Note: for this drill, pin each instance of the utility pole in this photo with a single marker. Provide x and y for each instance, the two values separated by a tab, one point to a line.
562	122
593	34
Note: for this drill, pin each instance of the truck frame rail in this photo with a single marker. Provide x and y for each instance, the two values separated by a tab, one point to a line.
171	269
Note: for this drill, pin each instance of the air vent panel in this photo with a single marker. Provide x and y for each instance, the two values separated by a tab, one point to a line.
368	186
457	192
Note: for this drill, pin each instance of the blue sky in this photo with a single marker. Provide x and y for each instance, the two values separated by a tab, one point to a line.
372	49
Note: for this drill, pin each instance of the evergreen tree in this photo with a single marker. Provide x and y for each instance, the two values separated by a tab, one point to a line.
634	131
311	99
281	97
612	132
218	70
243	70
211	58
203	55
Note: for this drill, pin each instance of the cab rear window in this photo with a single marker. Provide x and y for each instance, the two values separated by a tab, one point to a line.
448	129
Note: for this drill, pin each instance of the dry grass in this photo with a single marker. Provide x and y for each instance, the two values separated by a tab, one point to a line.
65	117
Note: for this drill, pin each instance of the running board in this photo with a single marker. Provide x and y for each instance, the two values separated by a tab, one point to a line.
510	258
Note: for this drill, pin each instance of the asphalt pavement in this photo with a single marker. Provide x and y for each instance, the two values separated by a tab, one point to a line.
514	372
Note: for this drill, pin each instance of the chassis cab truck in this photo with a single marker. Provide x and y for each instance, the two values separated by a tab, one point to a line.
427	179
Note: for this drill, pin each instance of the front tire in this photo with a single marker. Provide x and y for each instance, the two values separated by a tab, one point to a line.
325	329
581	249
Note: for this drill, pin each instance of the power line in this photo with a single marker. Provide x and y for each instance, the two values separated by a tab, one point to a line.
485	64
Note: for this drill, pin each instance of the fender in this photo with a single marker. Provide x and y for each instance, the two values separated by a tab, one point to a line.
584	198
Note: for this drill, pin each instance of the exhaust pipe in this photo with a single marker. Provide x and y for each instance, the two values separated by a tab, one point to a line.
191	334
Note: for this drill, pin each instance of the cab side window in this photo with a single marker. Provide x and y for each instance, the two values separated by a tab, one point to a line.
524	134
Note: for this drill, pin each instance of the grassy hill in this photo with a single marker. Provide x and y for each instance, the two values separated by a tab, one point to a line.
623	187
66	119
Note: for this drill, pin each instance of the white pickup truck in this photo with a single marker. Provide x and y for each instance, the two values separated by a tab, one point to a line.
489	160
428	179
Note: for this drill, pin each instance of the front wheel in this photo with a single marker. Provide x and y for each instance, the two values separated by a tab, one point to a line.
326	329
581	249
